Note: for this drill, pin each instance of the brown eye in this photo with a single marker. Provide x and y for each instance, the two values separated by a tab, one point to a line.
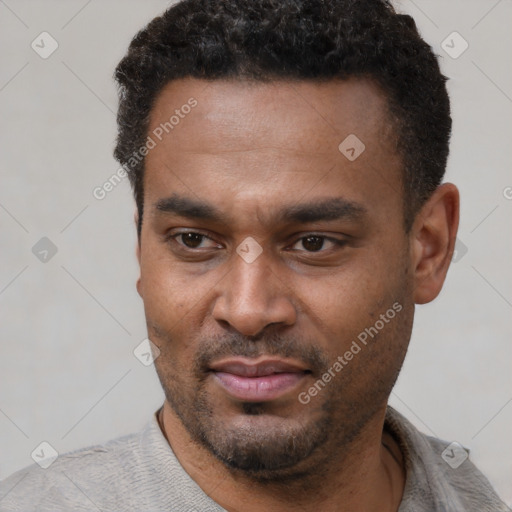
313	243
191	240
317	243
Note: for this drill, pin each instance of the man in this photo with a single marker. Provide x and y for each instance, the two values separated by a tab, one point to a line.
286	158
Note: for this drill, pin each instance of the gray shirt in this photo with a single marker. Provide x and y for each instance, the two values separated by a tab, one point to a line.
140	472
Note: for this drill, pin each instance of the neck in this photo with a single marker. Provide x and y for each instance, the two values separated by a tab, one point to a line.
367	476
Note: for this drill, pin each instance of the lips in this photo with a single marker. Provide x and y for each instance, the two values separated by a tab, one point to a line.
258	381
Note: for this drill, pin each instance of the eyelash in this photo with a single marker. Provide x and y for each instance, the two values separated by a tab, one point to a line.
338	243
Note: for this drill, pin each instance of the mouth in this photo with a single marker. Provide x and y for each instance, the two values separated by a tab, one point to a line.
258	380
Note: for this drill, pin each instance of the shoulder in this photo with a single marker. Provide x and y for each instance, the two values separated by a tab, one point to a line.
83	479
440	474
454	467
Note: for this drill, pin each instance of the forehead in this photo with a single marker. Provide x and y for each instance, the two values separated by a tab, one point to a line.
323	109
243	141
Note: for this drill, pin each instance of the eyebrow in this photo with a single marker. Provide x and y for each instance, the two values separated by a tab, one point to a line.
334	208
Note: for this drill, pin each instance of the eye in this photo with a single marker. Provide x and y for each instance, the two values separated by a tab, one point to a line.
192	240
311	243
315	243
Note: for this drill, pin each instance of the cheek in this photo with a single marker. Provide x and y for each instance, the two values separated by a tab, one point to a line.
339	310
165	289
175	300
163	295
344	304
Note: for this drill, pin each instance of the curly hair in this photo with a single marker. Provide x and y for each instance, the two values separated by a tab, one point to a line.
271	40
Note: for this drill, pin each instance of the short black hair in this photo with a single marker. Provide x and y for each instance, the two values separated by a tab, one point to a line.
293	40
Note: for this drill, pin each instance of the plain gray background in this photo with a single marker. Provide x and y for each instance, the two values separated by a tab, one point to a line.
69	325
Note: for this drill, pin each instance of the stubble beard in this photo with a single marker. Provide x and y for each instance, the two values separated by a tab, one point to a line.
269	448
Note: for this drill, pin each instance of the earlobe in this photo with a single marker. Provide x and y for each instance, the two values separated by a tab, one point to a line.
433	240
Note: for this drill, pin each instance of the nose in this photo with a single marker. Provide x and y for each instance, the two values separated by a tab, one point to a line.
252	296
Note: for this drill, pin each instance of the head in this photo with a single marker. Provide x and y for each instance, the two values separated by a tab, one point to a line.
286	159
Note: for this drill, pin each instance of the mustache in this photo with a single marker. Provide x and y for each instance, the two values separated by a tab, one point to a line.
235	344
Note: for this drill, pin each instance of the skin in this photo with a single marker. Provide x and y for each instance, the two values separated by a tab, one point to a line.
250	150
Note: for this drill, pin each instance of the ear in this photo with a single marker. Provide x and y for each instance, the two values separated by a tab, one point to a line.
433	236
137	250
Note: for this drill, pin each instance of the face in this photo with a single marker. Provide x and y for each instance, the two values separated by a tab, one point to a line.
275	267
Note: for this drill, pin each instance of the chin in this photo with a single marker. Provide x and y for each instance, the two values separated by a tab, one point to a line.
260	445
